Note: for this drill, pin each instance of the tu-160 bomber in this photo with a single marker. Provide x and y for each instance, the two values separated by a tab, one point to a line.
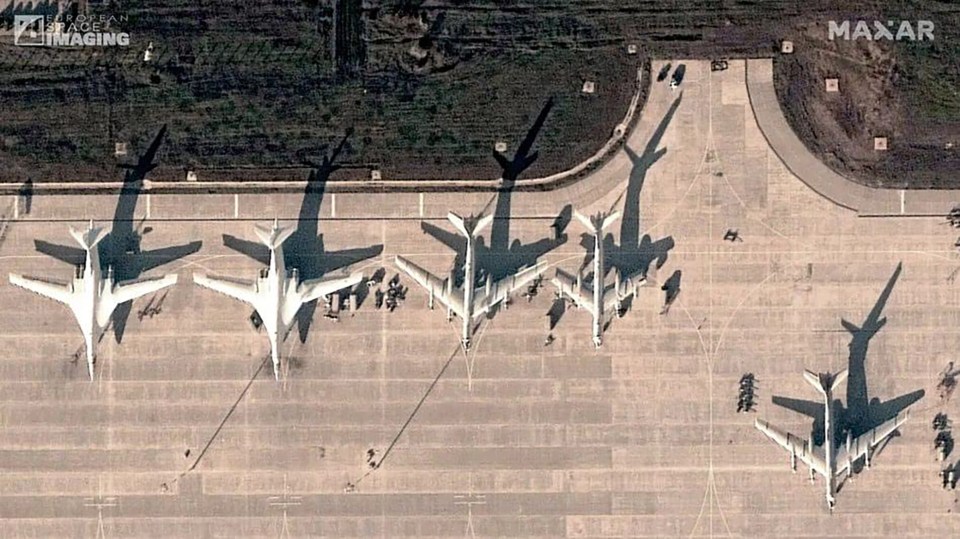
98	299
278	293
92	295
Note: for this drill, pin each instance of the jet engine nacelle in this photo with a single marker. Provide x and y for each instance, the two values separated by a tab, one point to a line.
793	461
294	274
619	291
110	273
849	460
430	300
577	285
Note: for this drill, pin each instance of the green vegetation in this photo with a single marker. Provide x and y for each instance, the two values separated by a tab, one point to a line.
255	84
932	78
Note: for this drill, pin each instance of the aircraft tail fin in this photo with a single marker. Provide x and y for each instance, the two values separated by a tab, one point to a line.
598	223
825	382
585	221
90	237
609	219
471	226
274	236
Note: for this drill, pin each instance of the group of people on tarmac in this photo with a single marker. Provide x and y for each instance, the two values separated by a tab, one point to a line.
745	399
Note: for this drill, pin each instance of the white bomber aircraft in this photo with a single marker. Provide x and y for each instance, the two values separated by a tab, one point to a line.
472	301
827	460
92	296
277	294
597	298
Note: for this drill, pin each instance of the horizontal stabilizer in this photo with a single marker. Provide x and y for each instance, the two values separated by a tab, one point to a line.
609	219
275	236
470	226
597	223
90	237
825	382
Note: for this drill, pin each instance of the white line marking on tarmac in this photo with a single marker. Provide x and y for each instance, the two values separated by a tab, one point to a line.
903	201
421	205
333	205
236	205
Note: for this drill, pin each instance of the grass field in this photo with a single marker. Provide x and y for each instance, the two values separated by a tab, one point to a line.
428	88
906	91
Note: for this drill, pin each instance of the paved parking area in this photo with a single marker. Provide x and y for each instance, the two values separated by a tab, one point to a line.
637	439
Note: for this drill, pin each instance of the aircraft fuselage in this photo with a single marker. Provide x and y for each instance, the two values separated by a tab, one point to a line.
598	288
469	284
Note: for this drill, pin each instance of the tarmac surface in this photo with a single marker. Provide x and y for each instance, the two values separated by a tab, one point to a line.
867	201
516	439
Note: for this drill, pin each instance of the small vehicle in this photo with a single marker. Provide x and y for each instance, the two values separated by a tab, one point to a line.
677	77
718	65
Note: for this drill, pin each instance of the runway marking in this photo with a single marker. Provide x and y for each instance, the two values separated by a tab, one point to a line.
333	205
236	206
737	309
710	493
470	499
148	205
421	205
903	201
100	502
284	501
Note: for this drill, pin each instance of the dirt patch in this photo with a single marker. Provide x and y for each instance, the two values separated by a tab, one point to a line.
908	92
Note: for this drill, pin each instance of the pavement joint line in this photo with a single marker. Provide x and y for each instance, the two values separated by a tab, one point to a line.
409	420
225	418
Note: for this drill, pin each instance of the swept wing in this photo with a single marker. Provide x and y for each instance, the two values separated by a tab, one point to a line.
451	298
795	445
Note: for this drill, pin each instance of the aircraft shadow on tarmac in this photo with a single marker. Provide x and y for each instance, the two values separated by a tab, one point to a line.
861	413
503	258
635	254
121	249
304	249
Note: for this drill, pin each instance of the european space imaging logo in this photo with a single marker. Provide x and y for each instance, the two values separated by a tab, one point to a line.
68	31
